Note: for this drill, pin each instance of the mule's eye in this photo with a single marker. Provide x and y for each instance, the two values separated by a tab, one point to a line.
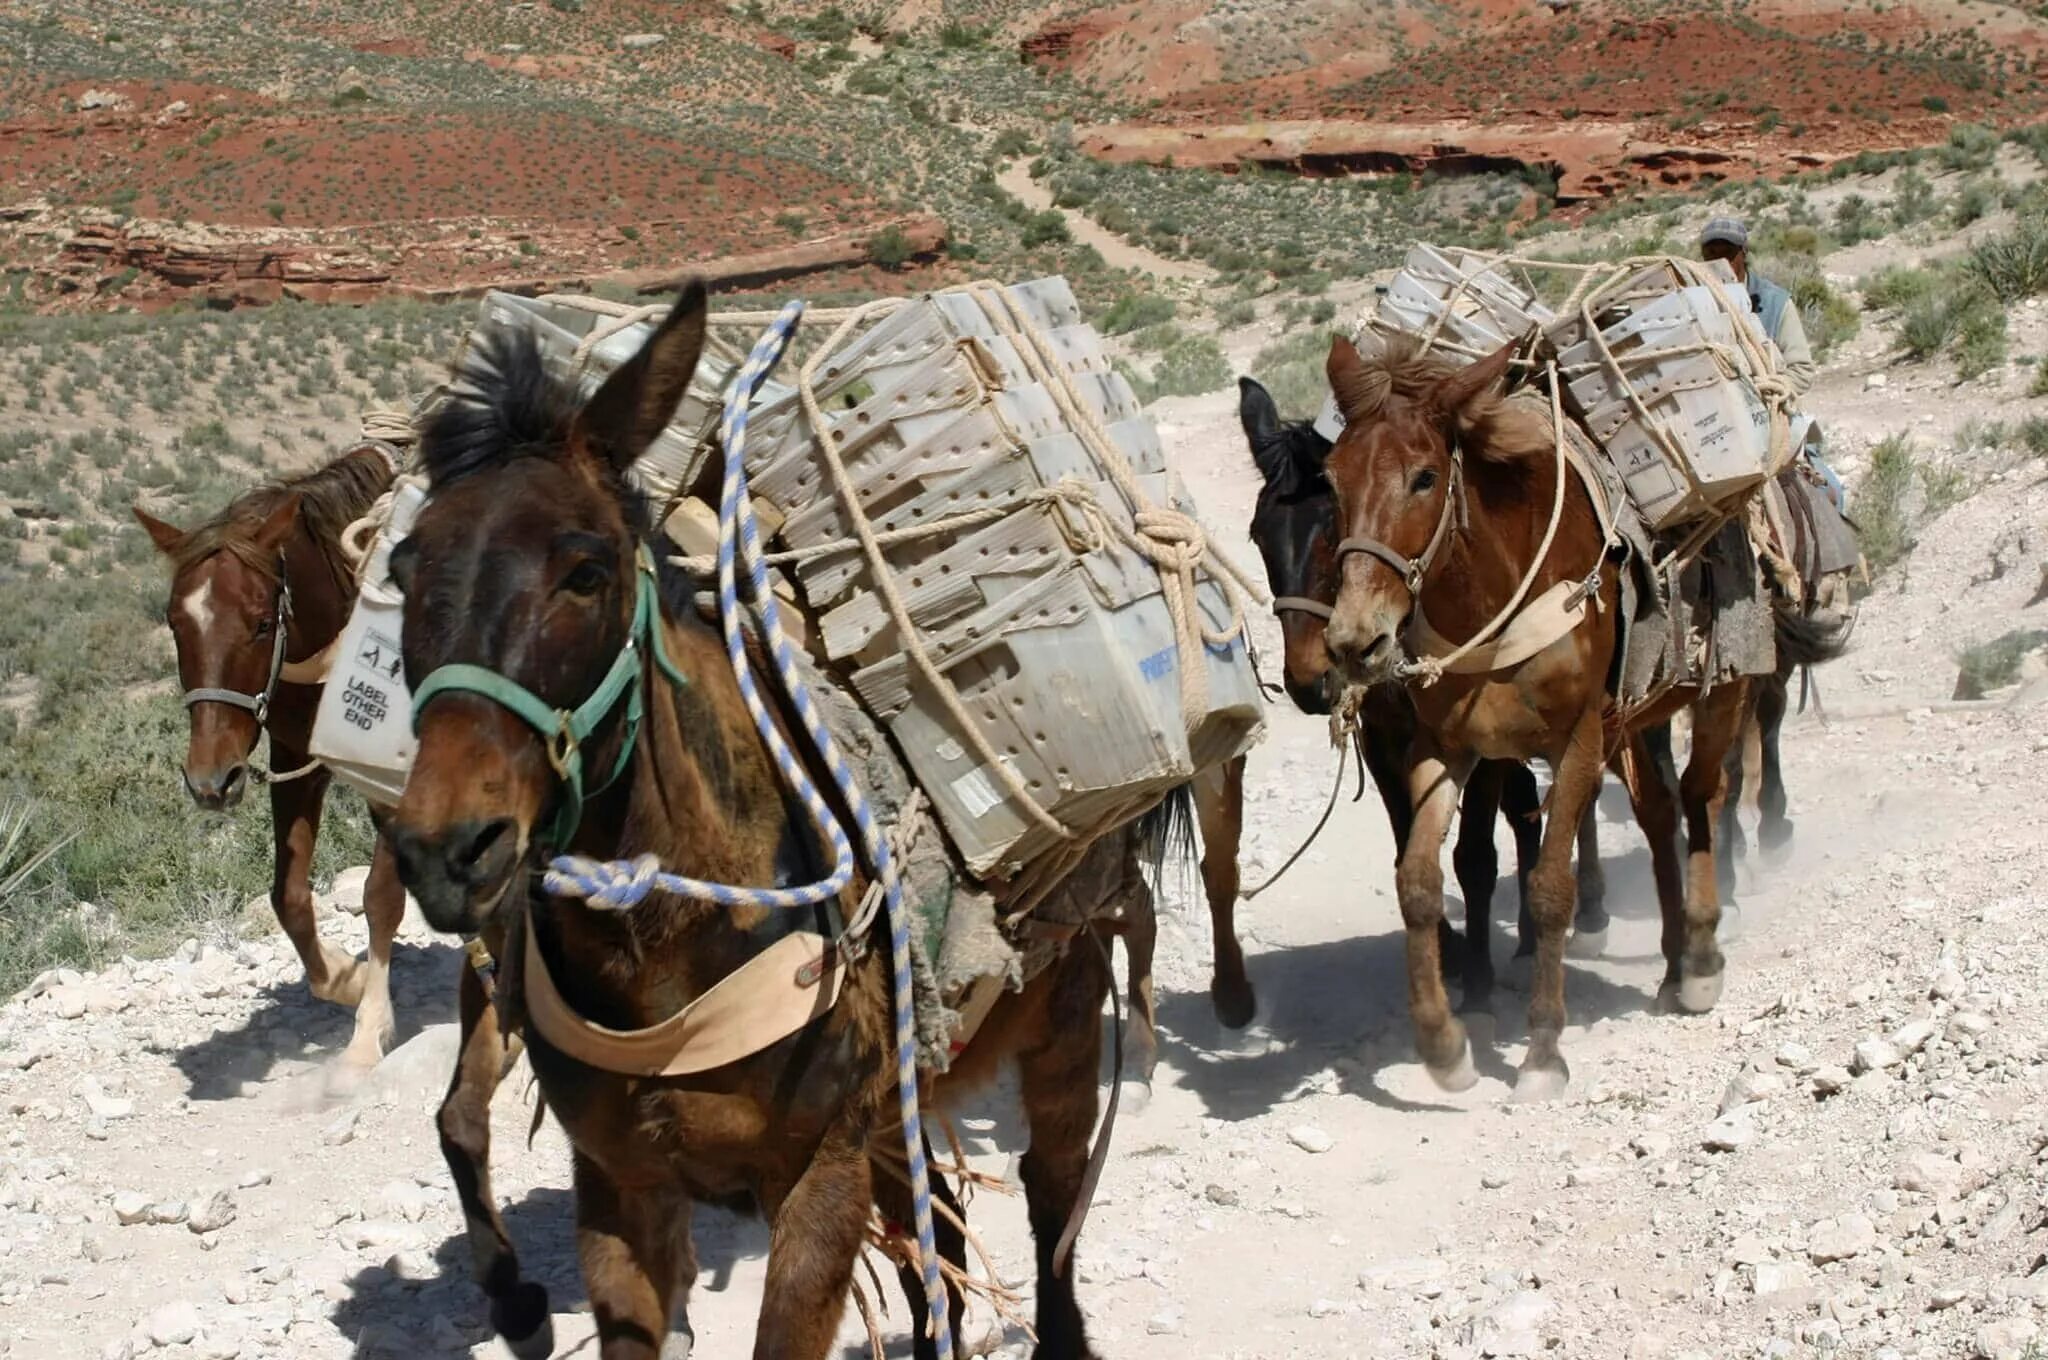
586	578
263	626
1424	480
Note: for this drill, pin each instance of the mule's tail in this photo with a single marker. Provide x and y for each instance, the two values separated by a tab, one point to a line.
1166	838
1806	639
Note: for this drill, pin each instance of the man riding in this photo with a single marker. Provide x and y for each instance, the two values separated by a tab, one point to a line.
1727	239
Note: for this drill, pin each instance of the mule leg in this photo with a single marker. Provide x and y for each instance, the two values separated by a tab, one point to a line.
892	1197
625	1244
1655	803
1140	929
1552	891
1219	808
1386	760
1440	1037
519	1308
1477	864
818	1230
1774	828
1716	724
295	807
384	906
1522	807
1056	1068
1589	926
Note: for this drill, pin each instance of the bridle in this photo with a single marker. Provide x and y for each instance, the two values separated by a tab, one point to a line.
258	704
1412	570
564	730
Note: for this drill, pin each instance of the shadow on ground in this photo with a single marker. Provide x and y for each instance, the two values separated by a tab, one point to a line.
288	1026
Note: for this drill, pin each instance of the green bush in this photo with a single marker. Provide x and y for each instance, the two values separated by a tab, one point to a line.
1896	287
1980	340
1881	501
1191	366
2033	435
1293	371
1829	318
890	248
1045	228
1995	664
2015	265
1135	311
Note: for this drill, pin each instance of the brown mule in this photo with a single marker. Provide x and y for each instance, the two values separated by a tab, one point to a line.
1444	491
257	593
524	563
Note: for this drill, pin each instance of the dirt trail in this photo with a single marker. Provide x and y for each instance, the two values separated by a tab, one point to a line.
1842	1159
1016	179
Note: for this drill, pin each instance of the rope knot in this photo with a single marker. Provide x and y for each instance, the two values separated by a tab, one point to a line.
608	885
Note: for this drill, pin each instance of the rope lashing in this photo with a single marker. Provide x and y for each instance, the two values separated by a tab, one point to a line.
626	883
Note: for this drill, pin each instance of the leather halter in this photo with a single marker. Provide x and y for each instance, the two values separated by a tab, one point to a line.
258	704
1412	570
1301	604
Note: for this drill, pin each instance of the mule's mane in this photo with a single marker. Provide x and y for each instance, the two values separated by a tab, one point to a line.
504	404
1495	426
330	499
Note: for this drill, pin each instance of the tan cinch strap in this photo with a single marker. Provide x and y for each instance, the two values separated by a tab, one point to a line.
765	1000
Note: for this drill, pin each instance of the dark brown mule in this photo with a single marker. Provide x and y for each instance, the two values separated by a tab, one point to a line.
1294	528
258	592
523	563
1442	474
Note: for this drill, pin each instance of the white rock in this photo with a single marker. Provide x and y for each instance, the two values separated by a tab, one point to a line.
342	1129
1730	1133
1876	1055
102	99
69	1001
130	1207
404	1200
1777	1277
419	1066
1875	382
346	892
1749	1250
1421	1276
1795	1056
102	1105
1748	1088
1913	1036
1928	1173
1828	1081
2007	1340
1323	1308
1968	1025
1947	985
1509	1328
174	1324
1651	1143
1165	1322
1946	1297
637	41
1310	1139
166	1211
1494	1180
216	1213
252	1178
1839	1239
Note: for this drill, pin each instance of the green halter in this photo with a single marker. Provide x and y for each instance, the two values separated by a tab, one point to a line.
565	730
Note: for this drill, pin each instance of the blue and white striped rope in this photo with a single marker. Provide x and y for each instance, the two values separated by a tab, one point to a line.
625	883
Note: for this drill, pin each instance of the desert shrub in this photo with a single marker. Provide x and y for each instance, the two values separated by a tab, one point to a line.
1896	287
890	248
1973	202
1994	664
1045	228
1236	312
1135	311
1959	316
2015	265
2032	435
1829	318
1971	146
1293	371
1980	340
1158	339
2039	386
1882	501
1191	366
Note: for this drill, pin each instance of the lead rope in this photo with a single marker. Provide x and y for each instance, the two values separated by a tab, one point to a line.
623	884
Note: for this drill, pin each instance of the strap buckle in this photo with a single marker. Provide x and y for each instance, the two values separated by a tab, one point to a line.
562	743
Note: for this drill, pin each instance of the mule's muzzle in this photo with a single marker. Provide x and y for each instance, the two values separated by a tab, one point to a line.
218	790
458	873
1315	697
1363	654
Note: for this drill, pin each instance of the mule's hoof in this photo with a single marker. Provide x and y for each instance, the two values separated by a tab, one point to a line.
1698	994
1459	1074
1587	944
522	1320
1729	928
1775	853
1548	1082
1480	1029
1134	1096
1236	1005
678	1345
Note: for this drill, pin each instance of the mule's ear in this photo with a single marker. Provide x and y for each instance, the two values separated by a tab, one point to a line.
277	525
1457	392
640	397
1359	388
167	537
1260	417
